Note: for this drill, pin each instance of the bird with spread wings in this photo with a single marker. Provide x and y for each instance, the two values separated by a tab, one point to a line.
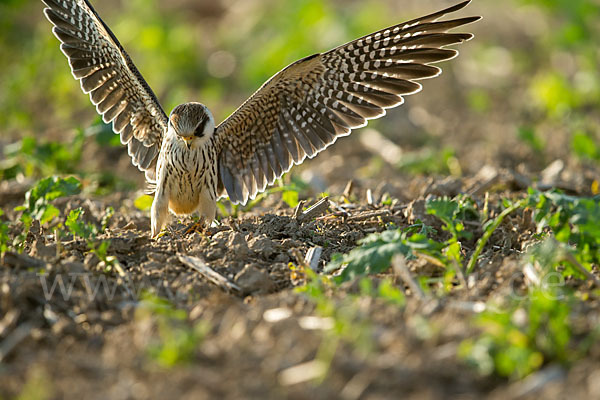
190	163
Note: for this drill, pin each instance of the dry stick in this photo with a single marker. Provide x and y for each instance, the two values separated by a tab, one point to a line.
370	200
298	209
460	274
317	209
399	266
369	215
200	266
9	320
313	255
24	261
124	277
429	259
348	189
573	261
19	334
488	233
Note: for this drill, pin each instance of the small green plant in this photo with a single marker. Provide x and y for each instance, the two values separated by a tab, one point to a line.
38	386
38	204
89	231
385	290
529	136
375	252
144	202
176	340
488	229
37	199
429	161
520	338
77	227
349	323
452	213
3	235
573	224
585	147
34	158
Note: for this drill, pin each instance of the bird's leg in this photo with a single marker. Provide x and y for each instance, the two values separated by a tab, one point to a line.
207	208
160	210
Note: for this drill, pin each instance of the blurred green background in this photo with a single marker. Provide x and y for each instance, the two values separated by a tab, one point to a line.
524	92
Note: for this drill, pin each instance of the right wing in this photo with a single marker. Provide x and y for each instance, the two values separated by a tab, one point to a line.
305	107
105	71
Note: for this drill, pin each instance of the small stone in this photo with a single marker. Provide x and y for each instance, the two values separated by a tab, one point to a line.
551	174
237	244
251	280
215	254
221	236
73	267
41	250
152	266
160	257
262	245
281	258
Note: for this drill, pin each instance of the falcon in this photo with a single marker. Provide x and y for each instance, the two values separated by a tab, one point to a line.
190	163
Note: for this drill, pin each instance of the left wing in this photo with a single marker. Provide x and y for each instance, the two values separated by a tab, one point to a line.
305	107
105	71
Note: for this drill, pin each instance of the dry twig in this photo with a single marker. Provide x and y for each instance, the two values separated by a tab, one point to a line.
316	210
400	268
214	277
313	255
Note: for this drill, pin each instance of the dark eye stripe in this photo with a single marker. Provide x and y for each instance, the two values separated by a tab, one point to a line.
199	132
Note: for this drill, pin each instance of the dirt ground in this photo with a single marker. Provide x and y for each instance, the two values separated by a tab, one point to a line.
255	328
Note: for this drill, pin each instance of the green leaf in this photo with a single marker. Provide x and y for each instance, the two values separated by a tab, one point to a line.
375	253
102	250
73	224
37	199
49	213
290	197
529	136
444	209
585	147
144	202
391	294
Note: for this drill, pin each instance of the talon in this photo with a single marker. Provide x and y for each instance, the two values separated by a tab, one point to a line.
197	226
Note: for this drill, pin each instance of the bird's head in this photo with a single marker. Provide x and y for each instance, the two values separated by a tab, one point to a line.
192	123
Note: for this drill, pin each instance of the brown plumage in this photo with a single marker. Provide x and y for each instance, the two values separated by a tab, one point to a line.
297	113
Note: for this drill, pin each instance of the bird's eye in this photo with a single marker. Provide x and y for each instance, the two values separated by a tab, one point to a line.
199	132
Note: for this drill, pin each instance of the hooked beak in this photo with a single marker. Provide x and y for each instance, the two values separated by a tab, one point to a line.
188	141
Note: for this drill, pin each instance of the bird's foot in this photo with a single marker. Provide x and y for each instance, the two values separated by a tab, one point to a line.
196	226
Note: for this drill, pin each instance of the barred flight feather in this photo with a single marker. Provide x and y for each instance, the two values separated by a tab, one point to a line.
304	108
115	86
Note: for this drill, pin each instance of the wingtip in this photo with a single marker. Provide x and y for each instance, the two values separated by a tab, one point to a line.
462	5
467	37
456	7
470	20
